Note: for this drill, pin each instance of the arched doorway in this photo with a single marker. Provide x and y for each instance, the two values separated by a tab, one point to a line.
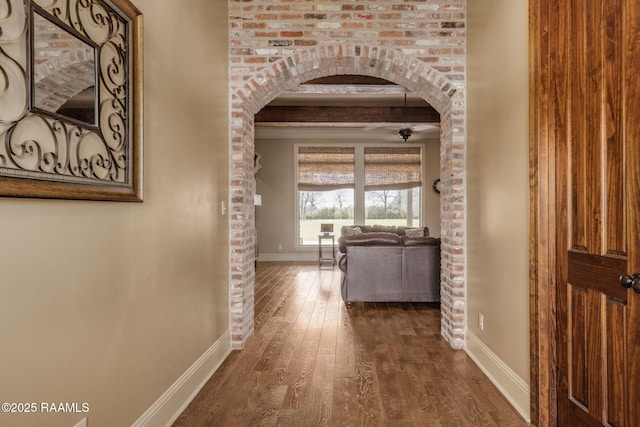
412	73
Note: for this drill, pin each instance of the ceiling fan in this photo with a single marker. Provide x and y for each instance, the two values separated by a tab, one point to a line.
406	130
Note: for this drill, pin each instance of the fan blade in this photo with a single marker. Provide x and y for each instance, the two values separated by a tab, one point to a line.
425	126
378	126
372	127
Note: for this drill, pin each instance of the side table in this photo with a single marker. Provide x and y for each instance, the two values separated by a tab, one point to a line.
324	259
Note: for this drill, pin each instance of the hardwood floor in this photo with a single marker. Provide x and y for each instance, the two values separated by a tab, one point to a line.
313	362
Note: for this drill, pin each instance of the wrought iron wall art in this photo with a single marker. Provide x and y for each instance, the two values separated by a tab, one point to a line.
71	99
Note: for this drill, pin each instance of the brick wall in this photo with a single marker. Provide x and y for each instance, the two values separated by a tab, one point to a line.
63	65
278	44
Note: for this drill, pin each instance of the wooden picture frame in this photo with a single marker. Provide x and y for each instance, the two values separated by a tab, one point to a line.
45	152
326	228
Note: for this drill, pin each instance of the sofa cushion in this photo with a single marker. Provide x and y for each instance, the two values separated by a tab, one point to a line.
369	239
351	230
402	230
348	229
384	229
399	230
420	241
415	232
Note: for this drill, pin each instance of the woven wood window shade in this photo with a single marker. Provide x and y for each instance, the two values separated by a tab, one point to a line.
392	168
326	168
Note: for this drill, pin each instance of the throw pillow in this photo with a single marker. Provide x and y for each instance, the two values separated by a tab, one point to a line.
414	232
352	231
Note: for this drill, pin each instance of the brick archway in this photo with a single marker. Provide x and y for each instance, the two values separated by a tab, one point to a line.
392	65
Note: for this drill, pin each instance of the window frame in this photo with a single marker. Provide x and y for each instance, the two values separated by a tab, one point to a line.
359	191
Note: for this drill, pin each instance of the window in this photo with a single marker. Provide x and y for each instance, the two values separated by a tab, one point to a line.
326	180
357	184
393	207
392	181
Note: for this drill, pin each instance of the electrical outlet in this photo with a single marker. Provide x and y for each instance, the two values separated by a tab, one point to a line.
481	321
279	247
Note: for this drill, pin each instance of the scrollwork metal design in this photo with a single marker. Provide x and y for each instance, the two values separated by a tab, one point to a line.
37	145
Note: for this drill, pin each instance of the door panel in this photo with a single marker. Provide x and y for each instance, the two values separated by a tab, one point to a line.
614	197
615	359
595	142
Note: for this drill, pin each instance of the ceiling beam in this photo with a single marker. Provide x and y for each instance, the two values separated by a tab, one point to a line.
351	114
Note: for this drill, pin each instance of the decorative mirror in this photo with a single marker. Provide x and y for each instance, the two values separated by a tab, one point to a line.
71	99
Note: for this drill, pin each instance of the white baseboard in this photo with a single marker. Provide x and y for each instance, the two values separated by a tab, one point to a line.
172	403
514	388
289	257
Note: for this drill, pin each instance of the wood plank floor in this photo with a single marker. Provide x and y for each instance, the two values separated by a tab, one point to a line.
312	362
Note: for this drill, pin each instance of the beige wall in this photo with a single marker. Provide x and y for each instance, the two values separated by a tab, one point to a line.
497	179
275	182
109	303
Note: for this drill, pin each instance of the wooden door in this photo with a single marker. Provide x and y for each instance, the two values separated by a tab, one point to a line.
595	64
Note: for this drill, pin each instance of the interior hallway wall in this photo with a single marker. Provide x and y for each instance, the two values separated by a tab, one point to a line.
498	193
109	303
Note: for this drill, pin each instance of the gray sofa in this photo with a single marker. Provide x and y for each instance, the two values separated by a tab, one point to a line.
383	264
